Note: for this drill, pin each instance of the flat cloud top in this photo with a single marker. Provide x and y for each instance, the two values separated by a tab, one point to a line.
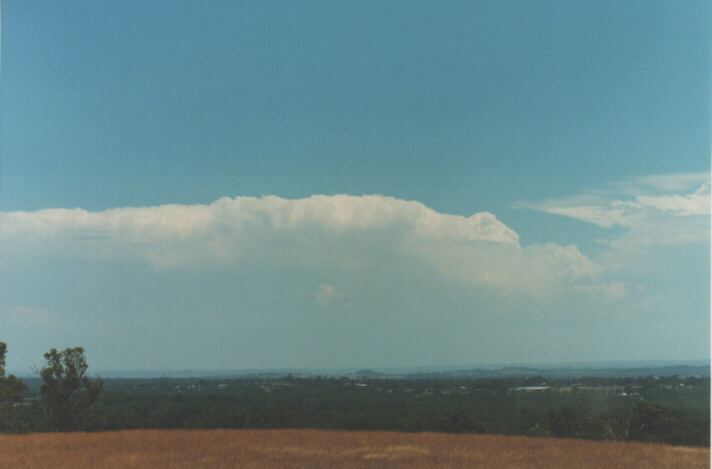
336	214
356	232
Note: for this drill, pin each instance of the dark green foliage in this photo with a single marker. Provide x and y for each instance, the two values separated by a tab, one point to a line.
66	391
564	423
11	390
652	422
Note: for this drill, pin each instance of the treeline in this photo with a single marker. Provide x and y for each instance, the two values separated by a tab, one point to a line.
655	409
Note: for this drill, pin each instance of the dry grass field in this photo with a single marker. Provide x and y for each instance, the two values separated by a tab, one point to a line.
156	449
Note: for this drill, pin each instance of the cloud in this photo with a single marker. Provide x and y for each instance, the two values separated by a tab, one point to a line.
672	182
168	234
537	269
612	290
322	233
697	203
601	216
324	295
658	209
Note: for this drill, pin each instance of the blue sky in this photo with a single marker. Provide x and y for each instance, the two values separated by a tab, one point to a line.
522	181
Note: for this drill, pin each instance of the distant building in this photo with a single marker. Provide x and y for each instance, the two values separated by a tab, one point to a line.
531	388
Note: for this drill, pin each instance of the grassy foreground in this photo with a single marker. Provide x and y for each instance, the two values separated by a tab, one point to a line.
157	449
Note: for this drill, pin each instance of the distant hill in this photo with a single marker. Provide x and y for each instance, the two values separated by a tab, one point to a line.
524	372
368	374
563	370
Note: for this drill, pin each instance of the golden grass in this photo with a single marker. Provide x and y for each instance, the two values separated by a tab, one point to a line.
158	449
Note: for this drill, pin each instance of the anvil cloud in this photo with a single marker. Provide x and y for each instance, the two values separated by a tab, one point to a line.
355	232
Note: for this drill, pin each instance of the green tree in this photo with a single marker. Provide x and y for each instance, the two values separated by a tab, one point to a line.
11	390
652	422
563	423
67	392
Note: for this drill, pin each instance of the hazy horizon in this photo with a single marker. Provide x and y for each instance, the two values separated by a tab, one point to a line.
198	373
241	185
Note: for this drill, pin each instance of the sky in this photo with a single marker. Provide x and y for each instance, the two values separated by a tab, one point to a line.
242	184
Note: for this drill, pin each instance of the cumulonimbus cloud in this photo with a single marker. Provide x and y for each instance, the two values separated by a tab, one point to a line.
351	232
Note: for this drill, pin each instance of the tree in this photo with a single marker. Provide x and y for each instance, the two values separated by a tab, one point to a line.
652	422
11	390
564	423
67	392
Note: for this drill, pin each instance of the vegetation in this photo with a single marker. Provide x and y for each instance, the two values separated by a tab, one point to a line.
66	391
327	449
664	409
11	391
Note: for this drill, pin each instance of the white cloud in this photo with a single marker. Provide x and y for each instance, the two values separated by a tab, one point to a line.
673	182
697	203
320	232
598	215
645	206
537	269
173	234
